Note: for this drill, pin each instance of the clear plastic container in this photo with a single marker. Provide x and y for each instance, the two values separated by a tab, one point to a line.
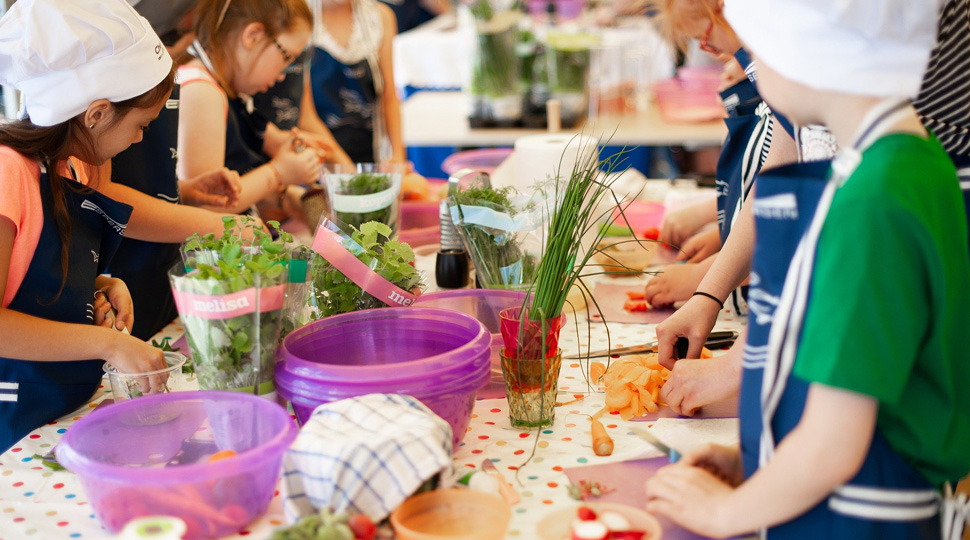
131	385
157	455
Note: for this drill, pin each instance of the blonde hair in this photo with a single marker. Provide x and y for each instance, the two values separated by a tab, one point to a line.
669	16
219	21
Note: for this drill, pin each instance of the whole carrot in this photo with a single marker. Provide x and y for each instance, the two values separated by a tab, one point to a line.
602	443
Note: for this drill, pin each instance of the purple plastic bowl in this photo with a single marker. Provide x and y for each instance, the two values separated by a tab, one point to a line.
373	346
484	305
438	356
149	456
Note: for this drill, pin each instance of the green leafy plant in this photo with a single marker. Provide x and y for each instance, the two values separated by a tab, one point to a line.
236	351
371	244
495	65
501	262
365	184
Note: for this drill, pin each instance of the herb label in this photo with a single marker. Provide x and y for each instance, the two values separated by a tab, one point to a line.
330	246
368	202
229	305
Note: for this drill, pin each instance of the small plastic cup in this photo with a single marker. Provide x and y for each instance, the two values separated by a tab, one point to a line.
125	386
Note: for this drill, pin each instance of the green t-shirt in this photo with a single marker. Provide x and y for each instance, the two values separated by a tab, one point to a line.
889	306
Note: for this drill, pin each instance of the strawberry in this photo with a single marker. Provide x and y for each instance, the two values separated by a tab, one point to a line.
585	513
652	233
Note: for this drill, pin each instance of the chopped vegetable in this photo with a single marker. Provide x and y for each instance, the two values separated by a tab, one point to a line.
633	385
587	489
221	454
636	295
652	233
635	305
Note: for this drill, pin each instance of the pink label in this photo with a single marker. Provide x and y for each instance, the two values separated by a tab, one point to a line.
227	306
328	244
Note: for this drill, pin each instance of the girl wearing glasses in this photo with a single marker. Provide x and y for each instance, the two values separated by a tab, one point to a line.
241	49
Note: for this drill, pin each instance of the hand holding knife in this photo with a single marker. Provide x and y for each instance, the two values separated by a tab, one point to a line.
714	340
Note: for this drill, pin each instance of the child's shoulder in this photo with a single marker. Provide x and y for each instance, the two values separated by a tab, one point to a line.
15	166
901	167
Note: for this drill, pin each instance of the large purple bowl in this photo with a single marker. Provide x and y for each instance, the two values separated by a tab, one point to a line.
484	305
151	456
440	357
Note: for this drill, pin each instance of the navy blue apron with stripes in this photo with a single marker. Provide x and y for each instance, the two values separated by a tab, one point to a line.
345	99
149	167
35	393
887	499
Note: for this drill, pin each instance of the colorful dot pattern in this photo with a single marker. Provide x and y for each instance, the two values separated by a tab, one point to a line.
37	503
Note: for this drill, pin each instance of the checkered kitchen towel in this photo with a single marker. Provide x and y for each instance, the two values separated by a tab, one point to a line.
365	454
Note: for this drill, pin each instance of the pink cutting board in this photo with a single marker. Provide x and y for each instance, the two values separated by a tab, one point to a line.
611	296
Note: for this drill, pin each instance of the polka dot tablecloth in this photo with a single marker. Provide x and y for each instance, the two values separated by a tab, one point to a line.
36	502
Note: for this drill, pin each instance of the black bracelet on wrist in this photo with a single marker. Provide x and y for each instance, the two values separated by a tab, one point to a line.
709	295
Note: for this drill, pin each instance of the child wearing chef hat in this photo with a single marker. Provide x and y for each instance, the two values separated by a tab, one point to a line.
93	74
854	419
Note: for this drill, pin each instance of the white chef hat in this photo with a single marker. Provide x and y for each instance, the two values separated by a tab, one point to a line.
64	54
862	47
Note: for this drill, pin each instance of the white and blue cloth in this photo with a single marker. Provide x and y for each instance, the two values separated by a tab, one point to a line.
366	455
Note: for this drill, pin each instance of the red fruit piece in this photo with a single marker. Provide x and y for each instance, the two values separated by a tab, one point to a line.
635	305
635	295
362	527
652	233
627	535
585	513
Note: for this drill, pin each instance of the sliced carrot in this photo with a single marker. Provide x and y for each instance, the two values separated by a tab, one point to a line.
706	353
635	305
596	371
222	454
635	295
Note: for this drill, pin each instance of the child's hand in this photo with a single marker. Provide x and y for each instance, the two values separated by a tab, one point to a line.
680	225
112	293
696	383
700	246
694	321
216	188
132	355
676	283
296	163
690	496
722	461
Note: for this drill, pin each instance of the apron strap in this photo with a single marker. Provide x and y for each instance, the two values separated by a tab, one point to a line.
955	515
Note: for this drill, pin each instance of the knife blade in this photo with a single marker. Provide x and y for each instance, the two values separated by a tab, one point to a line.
671	454
714	340
505	489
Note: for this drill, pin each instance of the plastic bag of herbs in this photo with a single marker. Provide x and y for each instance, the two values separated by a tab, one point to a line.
230	293
361	270
364	192
504	232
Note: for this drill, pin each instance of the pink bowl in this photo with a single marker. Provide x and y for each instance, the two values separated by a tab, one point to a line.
150	456
483	159
680	103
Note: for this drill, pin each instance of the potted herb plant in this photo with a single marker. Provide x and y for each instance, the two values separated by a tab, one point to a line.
568	60
496	94
364	192
502	231
229	295
341	284
531	356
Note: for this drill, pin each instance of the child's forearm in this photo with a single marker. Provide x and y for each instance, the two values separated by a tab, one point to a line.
154	220
256	185
825	450
20	334
733	263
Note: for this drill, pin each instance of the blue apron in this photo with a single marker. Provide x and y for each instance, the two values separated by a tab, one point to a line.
749	123
887	499
345	98
149	167
35	393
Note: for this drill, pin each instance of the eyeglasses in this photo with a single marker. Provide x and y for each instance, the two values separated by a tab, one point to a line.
707	35
287	57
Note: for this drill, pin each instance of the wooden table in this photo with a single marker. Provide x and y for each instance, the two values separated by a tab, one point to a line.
441	119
